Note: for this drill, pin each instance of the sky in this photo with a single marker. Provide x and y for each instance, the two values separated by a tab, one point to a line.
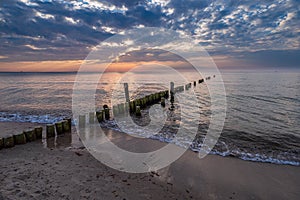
57	35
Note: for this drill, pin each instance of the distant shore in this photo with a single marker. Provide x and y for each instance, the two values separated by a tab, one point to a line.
33	171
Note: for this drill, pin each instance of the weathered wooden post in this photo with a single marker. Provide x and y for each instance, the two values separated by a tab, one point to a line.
163	102
172	95
167	94
8	141
126	108
66	126
106	112
142	103
172	87
126	92
82	121
137	102
1	143
30	135
91	117
150	97
59	128
121	108
50	131
138	111
20	138
157	96
99	115
132	106
146	100
38	132
69	123
115	110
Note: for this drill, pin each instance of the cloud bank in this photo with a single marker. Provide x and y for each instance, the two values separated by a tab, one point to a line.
258	32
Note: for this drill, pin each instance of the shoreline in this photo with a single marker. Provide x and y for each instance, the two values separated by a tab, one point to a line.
243	156
31	171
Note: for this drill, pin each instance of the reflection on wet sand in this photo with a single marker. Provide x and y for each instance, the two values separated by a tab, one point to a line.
63	141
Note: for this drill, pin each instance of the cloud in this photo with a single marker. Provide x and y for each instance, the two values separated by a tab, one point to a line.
39	30
33	47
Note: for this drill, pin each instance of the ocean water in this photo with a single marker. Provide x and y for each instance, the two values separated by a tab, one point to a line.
262	118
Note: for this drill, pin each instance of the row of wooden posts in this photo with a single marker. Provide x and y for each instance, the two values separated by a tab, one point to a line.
134	106
36	133
58	128
129	107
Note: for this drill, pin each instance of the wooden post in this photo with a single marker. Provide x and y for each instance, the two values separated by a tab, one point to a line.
20	138
82	121
172	87
150	99
126	92
132	107
172	95
121	108
142	103
1	143
8	141
59	128
138	111
126	108
157	97
30	135
69	123
106	113
66	126
38	132
115	110
146	100
50	131
163	102
99	115
137	102
91	117
167	94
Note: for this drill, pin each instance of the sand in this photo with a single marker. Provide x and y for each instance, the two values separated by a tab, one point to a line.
61	168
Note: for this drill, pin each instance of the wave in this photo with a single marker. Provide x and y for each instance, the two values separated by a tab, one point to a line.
282	159
18	117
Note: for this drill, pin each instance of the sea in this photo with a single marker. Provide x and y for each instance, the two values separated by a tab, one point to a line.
262	121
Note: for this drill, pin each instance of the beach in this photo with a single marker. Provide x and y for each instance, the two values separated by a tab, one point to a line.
156	99
35	171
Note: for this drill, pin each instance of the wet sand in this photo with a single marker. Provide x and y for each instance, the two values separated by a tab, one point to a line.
52	170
